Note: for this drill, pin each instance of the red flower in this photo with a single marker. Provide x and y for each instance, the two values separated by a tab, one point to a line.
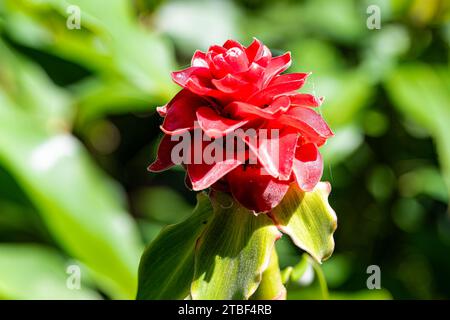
233	87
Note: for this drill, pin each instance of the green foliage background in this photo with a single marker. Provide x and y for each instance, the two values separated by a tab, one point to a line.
78	128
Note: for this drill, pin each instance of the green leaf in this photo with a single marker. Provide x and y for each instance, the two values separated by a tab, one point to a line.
97	97
36	272
233	252
286	274
300	268
308	219
271	286
167	266
79	204
30	87
321	280
422	94
132	64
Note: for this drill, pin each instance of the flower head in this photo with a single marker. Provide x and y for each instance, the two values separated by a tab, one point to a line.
232	89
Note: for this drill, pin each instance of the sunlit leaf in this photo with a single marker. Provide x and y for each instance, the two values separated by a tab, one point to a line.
286	274
271	286
35	272
167	266
233	252
99	97
79	204
300	269
308	219
30	87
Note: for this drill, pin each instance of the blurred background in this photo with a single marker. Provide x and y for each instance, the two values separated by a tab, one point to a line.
78	129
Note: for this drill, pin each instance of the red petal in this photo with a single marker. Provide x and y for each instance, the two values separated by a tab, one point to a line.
264	57
275	152
203	176
280	85
199	59
220	66
308	166
196	86
308	121
254	50
163	160
228	84
276	66
254	191
294	80
162	110
214	125
253	74
305	100
216	49
236	59
280	104
288	143
203	172
181	77
242	110
233	44
180	113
